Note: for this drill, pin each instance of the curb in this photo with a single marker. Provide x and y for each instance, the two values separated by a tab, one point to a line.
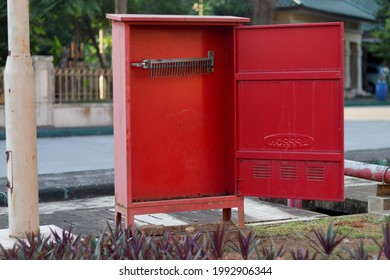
379	156
365	102
70	185
87	191
43	132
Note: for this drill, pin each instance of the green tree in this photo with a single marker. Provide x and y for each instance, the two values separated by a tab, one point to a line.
57	23
263	11
260	11
230	7
174	7
382	32
120	6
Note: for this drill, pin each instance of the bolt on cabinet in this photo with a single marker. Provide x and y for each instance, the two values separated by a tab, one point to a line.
208	111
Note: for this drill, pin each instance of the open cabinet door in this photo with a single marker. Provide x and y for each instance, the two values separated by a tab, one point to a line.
289	111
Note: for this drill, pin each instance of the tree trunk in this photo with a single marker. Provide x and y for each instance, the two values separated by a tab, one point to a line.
263	11
76	43
121	6
91	34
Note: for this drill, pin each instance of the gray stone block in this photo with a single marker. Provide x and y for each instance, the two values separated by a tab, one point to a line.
378	203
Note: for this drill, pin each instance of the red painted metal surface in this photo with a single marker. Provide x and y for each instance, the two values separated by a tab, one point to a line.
367	171
180	137
180	124
174	136
290	111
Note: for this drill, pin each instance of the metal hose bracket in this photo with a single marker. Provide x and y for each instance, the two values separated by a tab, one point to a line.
384	175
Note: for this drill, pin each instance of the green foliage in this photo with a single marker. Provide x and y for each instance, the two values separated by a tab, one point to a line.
246	244
325	243
271	252
186	7
358	253
174	7
54	24
231	7
187	247
57	23
218	242
302	254
382	32
128	244
61	10
385	246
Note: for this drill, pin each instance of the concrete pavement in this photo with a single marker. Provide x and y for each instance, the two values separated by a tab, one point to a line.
82	167
70	154
366	128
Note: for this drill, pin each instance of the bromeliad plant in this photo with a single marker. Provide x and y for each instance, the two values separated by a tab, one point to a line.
245	245
188	247
217	242
384	248
358	253
325	243
271	252
128	244
302	254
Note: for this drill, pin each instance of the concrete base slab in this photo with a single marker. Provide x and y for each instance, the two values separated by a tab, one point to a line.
256	212
383	214
378	203
8	242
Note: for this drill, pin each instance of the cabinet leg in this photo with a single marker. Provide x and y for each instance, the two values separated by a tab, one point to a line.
118	219
129	220
241	217
227	214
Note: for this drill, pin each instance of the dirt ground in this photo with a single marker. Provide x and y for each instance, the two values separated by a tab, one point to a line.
357	232
353	230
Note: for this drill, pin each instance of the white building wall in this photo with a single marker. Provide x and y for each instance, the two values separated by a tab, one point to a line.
353	68
61	115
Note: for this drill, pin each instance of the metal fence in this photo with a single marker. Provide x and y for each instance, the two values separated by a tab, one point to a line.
77	85
82	85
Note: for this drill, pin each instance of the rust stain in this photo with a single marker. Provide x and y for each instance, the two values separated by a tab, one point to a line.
25	44
9	186
87	112
8	155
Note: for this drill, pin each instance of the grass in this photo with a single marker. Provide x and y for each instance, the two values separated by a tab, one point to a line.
356	228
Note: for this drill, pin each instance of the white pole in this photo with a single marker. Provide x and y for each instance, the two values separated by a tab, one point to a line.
20	121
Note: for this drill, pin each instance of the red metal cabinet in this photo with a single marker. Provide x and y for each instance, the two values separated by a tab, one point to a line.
207	111
290	111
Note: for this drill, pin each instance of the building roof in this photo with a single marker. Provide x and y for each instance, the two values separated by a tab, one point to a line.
370	6
358	9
